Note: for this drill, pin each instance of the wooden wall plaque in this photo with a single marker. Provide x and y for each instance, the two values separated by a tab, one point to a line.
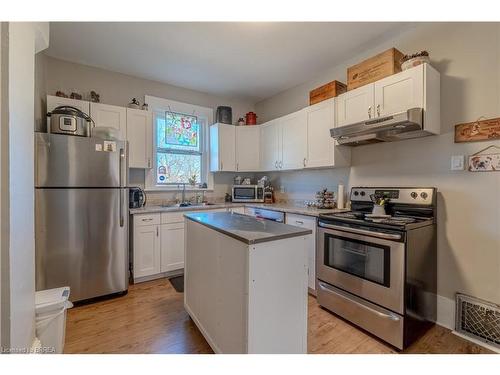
480	130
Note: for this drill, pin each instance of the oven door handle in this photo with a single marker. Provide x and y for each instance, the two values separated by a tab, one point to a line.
387	236
325	288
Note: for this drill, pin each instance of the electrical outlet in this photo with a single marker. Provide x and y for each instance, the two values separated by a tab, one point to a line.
457	162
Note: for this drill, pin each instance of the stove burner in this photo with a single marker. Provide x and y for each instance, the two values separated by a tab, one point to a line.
393	220
350	215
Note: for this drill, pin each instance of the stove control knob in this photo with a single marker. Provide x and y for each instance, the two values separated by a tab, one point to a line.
423	195
356	193
363	193
414	195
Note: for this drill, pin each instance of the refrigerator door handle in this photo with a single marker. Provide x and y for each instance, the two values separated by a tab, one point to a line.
122	185
122	159
122	220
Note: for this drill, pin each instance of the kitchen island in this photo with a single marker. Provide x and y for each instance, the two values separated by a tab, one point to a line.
246	282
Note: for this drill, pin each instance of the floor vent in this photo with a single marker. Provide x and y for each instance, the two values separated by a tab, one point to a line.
478	319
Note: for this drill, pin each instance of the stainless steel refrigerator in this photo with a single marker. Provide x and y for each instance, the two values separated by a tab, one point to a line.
81	215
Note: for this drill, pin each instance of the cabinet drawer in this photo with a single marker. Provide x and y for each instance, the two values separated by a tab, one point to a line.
172	217
301	221
146	219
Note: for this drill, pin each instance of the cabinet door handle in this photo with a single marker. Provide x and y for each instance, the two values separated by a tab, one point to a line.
149	163
299	222
147	219
237	166
370	112
378	110
157	232
281	164
276	164
304	162
221	166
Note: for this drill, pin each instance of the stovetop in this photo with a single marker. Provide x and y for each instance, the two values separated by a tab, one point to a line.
407	208
398	221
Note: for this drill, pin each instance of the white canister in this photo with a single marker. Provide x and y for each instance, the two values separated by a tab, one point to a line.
340	196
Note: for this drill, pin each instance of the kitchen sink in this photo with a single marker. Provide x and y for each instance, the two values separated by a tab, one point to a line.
186	204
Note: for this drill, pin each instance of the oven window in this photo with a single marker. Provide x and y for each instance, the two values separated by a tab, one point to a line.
244	193
363	259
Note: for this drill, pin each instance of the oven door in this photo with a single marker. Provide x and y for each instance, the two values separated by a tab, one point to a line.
368	266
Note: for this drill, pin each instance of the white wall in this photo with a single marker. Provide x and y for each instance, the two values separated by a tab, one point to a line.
23	41
467	55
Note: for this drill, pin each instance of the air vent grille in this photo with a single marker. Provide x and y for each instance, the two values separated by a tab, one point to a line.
478	319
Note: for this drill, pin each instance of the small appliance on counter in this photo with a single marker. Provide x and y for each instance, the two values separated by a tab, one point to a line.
224	115
70	121
137	197
248	193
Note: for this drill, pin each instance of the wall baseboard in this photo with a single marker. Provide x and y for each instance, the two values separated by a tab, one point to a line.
446	312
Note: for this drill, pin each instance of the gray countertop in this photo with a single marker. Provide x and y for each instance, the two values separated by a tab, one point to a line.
282	207
149	209
294	209
246	228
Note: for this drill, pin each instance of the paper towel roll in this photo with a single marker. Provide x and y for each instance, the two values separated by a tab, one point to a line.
340	197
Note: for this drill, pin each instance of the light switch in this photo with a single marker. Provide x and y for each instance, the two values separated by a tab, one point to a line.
457	162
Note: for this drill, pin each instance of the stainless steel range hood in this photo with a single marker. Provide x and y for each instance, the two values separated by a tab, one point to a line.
404	125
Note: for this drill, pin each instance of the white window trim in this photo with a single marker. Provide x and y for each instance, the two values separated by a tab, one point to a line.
161	105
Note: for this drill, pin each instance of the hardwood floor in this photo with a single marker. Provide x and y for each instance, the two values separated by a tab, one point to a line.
151	319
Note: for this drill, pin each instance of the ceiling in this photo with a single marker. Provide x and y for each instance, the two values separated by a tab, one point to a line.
250	61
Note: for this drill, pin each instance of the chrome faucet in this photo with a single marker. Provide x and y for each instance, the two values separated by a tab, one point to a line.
183	200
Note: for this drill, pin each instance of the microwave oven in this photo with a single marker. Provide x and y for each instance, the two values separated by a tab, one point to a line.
248	193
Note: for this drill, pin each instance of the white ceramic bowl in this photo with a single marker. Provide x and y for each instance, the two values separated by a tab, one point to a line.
415	62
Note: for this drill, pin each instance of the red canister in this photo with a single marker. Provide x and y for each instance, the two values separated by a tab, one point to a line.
251	118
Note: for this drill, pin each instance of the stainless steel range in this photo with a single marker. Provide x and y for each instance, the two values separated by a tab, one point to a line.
380	272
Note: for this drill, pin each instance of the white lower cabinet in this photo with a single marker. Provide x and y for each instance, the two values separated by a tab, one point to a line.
238	210
146	250
309	223
158	243
172	247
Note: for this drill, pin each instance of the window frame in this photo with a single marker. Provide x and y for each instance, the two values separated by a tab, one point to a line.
160	106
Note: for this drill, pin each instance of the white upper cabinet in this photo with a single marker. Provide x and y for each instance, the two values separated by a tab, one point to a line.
139	136
418	87
400	92
321	148
247	148
270	145
294	136
222	148
355	106
111	116
56	101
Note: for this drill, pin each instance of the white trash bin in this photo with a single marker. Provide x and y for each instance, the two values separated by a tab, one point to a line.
50	317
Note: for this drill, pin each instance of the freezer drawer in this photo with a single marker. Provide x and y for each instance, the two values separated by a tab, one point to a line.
82	241
381	322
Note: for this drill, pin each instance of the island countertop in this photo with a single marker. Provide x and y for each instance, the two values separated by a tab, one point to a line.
247	229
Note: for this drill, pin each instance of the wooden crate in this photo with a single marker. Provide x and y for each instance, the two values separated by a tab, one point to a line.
377	67
330	90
